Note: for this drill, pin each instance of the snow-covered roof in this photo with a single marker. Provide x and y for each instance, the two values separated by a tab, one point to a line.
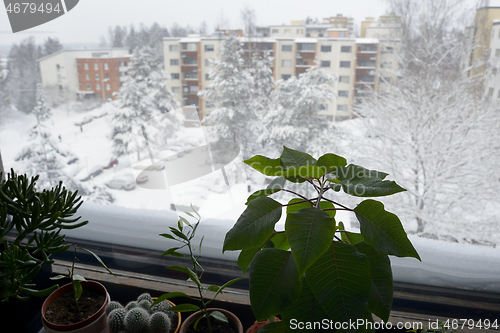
367	40
190	40
496	21
83	50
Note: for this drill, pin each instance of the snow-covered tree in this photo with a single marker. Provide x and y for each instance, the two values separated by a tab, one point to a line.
294	121
263	84
435	136
233	118
144	100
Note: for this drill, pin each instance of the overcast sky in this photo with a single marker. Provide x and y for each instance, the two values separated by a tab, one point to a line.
91	18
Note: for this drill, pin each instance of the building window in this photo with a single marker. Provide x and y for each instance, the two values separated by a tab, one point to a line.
341	107
209	48
173	48
86	66
346	49
189	47
106	66
87	76
345	64
323	107
174	62
326	48
125	64
98	86
490	92
106	75
344	79
193	89
96	66
343	93
97	76
342	34
285	76
108	96
108	86
300	31
288	31
387	49
274	31
176	90
207	62
286	63
58	67
497	53
88	86
308	47
286	48
207	77
325	63
190	61
174	76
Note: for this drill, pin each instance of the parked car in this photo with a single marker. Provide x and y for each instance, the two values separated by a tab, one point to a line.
141	179
73	160
111	163
156	166
121	183
85	120
94	171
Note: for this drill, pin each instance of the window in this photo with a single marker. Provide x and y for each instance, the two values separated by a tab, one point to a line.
308	47
342	34
494	71
288	31
344	79
490	92
345	64
108	96
208	62
176	90
58	67
98	86
326	48
174	76
86	66
191	61
207	77
341	107
497	53
387	49
189	47
97	76
286	48
300	31
323	107
193	89
96	66
325	63
174	62
87	76
98	96
88	86
343	93
106	66
106	75
274	31
345	49
108	86
285	76
209	48
173	48
286	63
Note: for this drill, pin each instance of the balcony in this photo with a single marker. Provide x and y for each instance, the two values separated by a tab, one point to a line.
367	49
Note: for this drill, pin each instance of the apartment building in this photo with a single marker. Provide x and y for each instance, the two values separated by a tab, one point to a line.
85	73
492	75
354	61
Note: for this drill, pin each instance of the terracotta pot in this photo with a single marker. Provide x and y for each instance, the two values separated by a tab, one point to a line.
230	316
257	325
97	323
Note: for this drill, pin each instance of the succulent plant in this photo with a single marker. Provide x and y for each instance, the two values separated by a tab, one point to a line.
145	296
161	307
131	305
145	304
137	320
112	306
159	322
116	319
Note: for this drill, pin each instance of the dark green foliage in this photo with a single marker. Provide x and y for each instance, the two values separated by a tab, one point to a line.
315	269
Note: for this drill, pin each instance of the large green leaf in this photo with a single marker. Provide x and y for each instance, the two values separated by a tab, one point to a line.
353	170
328	205
296	204
383	230
280	241
306	309
304	171
310	232
246	257
274	282
340	281
294	158
331	162
265	165
254	226
380	301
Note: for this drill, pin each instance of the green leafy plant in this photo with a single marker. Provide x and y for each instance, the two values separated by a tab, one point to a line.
30	230
315	269
77	278
184	233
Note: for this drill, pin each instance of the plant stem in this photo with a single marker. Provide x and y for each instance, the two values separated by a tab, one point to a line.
301	196
338	204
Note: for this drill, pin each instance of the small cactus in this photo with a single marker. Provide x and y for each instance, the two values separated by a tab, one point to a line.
159	322
112	306
145	296
161	307
116	320
137	320
131	305
145	304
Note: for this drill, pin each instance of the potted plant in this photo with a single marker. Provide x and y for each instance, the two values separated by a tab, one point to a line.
141	316
30	231
205	319
315	274
77	306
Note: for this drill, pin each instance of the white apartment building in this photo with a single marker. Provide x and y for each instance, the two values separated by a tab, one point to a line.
61	70
492	74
